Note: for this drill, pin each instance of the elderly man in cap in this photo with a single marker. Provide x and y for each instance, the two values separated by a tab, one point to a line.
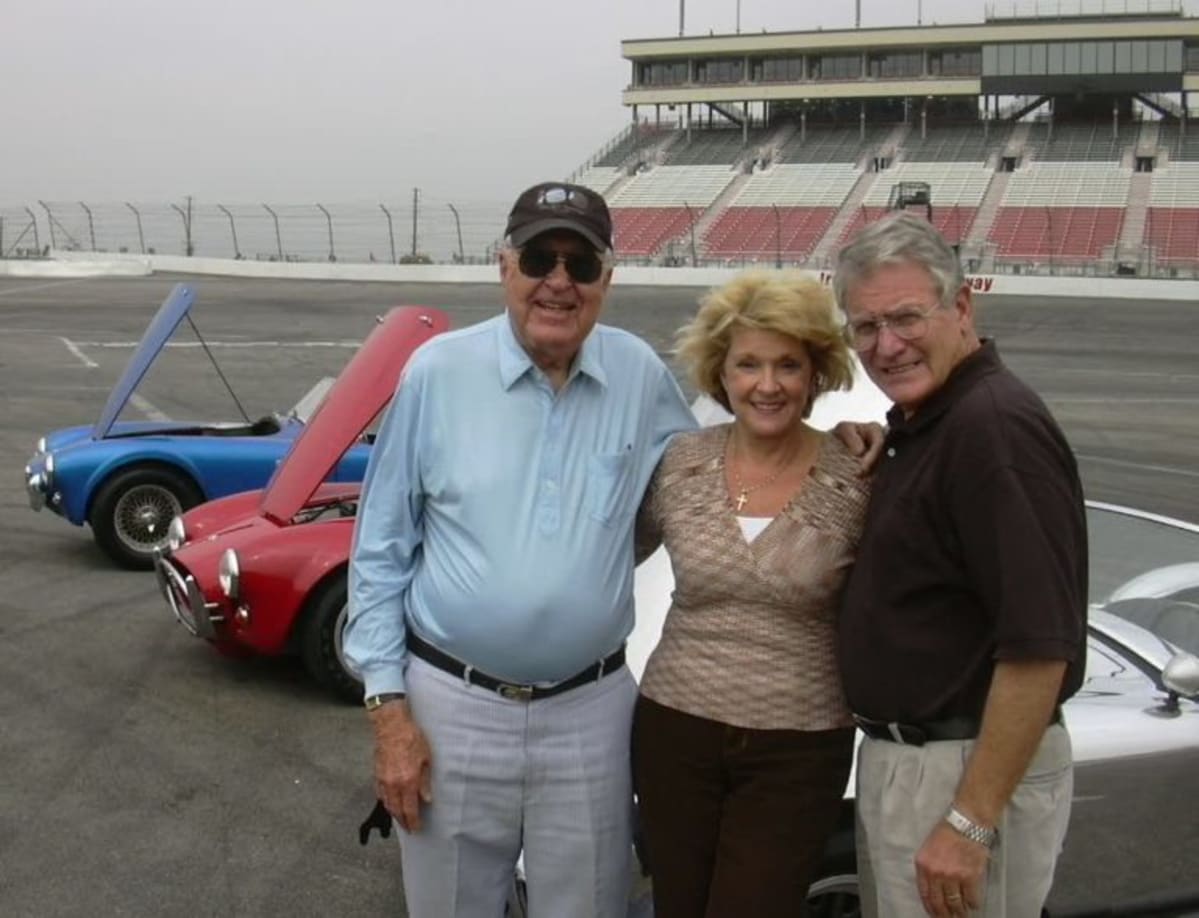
491	581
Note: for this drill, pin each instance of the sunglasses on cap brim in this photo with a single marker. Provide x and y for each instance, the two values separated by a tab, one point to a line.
581	267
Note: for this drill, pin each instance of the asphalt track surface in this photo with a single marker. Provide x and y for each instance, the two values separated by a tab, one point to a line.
143	774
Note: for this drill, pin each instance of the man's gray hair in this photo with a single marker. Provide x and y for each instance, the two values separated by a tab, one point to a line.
899	238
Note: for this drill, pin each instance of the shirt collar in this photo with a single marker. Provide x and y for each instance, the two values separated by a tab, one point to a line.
515	361
977	364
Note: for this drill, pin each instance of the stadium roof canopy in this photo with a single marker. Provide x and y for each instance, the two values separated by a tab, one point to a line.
1093	47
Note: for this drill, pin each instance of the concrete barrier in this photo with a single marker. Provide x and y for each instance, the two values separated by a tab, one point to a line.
92	266
89	264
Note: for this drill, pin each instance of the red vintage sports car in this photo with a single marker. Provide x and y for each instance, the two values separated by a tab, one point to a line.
265	571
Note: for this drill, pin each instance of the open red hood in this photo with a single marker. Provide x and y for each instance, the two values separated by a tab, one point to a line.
361	391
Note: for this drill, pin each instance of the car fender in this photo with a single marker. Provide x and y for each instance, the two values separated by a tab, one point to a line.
78	505
279	573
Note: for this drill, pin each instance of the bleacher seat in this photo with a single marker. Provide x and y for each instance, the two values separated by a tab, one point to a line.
1181	147
598	178
782	211
713	147
765	234
952	222
1061	210
1172	222
660	204
955	143
831	144
638	137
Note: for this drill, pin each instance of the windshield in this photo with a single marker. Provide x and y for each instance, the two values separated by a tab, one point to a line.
306	407
1146	570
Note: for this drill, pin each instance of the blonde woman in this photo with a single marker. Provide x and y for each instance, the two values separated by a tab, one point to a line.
742	740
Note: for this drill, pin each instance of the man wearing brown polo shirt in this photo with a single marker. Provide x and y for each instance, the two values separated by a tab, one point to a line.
963	625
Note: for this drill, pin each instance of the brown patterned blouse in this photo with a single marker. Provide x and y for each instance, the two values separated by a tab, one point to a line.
750	638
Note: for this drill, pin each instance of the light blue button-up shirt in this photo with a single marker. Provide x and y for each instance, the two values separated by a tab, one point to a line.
497	515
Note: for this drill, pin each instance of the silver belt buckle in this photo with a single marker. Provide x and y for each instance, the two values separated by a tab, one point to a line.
515	692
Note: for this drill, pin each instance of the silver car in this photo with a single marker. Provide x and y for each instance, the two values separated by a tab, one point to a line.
1134	726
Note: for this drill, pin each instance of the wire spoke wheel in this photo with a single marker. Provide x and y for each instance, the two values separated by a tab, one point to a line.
142	515
133	509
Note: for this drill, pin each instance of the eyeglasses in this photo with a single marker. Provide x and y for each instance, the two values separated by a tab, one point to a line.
583	267
907	325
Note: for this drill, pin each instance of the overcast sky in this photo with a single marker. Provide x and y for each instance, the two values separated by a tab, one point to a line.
353	100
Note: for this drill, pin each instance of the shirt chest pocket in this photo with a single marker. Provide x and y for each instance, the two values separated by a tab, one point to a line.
608	495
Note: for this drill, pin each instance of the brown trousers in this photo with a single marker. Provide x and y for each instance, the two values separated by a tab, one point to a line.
734	820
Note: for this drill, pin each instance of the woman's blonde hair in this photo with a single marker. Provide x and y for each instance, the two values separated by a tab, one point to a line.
791	304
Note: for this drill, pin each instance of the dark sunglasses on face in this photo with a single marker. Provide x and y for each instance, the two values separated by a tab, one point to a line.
582	267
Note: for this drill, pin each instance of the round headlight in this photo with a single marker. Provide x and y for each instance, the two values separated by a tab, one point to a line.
176	533
229	573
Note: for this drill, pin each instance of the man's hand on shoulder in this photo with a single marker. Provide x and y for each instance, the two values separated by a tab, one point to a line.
403	763
951	872
864	440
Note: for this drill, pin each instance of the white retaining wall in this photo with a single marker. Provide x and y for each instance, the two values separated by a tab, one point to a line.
89	264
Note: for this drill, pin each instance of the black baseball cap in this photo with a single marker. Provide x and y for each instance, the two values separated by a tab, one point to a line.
559	205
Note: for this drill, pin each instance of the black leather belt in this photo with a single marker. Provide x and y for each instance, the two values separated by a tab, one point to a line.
514	691
951	728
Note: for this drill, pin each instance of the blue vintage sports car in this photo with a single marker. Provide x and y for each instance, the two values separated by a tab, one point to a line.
129	479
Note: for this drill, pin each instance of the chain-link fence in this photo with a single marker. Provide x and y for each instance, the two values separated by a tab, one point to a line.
417	229
420	230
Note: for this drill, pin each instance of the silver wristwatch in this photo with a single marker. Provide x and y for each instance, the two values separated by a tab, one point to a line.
988	838
374	702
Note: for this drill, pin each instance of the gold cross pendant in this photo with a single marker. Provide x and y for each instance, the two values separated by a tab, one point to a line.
742	500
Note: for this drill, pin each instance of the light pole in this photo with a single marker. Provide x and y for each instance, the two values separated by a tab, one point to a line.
458	226
278	235
391	233
187	226
50	223
37	241
232	229
91	224
329	223
141	237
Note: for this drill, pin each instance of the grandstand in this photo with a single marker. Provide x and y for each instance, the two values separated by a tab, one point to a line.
1059	140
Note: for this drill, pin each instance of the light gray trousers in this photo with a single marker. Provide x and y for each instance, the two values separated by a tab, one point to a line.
550	777
903	791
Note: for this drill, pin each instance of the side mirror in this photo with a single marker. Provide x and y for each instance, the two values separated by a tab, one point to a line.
1181	675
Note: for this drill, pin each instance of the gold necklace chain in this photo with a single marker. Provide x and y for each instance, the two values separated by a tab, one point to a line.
743	490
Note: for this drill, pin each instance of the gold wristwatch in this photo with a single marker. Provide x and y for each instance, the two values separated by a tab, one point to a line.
374	702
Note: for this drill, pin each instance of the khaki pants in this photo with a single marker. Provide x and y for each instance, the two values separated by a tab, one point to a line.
903	791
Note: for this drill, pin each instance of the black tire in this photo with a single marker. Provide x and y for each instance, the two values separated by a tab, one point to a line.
321	628
834	896
133	508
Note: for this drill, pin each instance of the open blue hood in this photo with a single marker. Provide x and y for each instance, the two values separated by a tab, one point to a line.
161	327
